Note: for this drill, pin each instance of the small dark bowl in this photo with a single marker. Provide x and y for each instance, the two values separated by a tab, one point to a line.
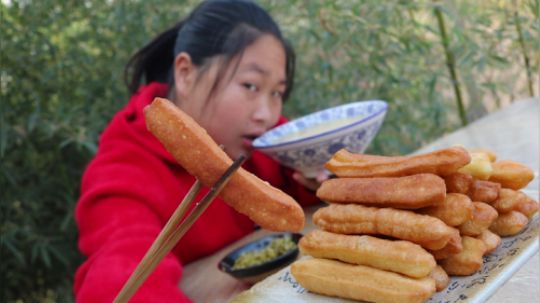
258	272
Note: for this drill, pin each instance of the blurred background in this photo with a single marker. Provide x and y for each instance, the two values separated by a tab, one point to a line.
439	64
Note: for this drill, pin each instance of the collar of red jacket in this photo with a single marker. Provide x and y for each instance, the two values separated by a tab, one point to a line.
129	125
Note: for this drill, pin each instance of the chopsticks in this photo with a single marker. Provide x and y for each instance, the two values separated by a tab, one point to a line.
173	231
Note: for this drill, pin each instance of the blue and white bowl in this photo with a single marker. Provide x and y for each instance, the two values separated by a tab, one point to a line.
307	143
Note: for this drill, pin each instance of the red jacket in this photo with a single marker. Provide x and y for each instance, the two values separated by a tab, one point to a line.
128	192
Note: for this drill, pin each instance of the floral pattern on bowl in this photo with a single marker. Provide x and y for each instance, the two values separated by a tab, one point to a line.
309	153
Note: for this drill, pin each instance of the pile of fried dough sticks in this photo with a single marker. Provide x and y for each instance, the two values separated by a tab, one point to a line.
396	227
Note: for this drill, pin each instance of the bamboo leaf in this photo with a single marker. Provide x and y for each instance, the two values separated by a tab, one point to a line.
19	256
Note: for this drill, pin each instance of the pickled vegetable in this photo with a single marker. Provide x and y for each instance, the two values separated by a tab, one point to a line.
276	248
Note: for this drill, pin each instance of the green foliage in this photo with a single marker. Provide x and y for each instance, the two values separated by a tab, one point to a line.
61	80
393	50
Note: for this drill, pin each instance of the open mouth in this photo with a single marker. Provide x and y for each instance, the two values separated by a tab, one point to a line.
251	137
247	141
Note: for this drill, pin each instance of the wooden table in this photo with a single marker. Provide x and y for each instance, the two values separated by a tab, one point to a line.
513	133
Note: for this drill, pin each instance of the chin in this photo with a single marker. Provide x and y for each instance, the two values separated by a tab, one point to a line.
234	154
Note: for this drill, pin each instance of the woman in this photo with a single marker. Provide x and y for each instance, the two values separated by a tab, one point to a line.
228	66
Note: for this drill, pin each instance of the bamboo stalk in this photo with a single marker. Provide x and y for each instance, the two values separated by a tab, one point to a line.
451	64
523	49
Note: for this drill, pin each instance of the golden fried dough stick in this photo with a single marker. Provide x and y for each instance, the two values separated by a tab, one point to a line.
511	174
427	231
509	200
455	210
453	247
441	278
484	191
509	224
359	282
487	153
468	261
344	155
528	207
441	162
479	167
197	152
458	183
483	216
398	256
408	192
491	240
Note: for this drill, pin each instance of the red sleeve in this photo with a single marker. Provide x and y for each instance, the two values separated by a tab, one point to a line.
120	213
303	195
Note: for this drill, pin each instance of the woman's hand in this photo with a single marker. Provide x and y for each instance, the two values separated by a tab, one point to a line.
311	183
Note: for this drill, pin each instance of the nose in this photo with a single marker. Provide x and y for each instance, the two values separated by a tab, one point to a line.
267	111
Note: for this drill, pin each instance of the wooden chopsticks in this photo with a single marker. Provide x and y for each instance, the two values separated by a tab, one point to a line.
173	231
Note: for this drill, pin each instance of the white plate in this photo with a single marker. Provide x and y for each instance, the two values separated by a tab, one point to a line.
498	267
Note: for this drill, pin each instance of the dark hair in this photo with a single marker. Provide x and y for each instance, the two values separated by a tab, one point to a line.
215	27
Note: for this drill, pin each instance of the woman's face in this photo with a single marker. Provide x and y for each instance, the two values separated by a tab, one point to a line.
247	100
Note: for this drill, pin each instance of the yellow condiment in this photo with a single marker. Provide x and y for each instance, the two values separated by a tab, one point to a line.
277	247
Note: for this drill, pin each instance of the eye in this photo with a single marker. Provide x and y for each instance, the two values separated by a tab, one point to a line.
278	94
250	86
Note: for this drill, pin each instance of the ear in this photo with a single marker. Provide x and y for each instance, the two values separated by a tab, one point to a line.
184	75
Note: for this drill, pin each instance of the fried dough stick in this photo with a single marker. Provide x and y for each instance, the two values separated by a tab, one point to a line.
398	256
528	207
468	261
429	232
509	224
511	174
509	200
458	183
441	278
359	282
479	167
491	240
197	152
408	192
455	210
483	216
454	246
441	162
484	191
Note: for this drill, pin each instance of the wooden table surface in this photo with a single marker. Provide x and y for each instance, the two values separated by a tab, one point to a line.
512	133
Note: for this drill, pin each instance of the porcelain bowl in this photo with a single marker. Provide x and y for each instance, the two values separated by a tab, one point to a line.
253	274
307	143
